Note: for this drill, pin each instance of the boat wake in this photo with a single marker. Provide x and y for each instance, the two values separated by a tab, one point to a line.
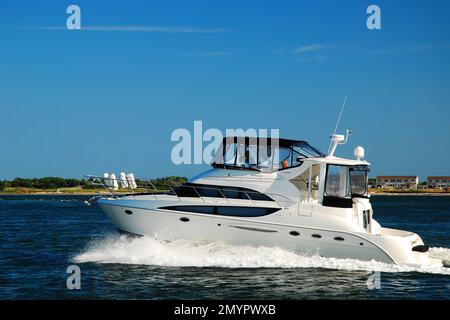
203	253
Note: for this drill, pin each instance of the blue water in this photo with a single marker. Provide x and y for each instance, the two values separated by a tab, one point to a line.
42	235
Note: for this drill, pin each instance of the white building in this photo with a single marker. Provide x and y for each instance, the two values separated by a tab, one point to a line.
440	182
399	182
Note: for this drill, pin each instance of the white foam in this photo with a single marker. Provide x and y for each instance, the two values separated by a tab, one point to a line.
440	253
203	253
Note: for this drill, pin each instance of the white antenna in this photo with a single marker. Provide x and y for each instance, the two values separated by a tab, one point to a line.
338	138
340	114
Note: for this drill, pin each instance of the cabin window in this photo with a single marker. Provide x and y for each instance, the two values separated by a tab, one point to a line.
235	211
359	180
337	181
233	194
211	191
186	191
343	183
347	181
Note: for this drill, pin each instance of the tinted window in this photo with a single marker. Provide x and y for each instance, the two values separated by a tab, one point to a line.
243	211
232	193
193	190
225	210
209	192
358	181
196	209
185	191
258	196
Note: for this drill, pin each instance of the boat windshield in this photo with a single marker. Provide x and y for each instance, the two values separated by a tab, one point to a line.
262	154
347	181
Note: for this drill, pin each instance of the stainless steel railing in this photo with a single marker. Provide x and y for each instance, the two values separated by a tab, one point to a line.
147	185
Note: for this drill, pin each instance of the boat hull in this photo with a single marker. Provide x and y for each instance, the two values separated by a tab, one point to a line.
171	225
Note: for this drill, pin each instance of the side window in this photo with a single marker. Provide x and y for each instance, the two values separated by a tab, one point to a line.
359	181
225	210
186	191
337	181
209	192
258	196
244	211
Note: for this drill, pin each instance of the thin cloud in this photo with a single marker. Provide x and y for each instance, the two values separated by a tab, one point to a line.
308	48
300	50
154	29
322	53
207	54
411	49
311	59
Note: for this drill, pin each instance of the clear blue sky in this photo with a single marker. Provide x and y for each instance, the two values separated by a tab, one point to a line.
77	102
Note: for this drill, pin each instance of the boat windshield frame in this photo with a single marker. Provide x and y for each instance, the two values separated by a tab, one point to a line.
346	189
271	154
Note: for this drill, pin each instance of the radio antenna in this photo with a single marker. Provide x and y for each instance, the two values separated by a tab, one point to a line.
337	138
340	114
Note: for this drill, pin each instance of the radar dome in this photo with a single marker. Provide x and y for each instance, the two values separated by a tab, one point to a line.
359	152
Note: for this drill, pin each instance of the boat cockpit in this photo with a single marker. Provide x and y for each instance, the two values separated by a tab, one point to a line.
343	183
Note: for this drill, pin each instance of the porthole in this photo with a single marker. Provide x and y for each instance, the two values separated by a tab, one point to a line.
338	238
361	244
315	235
219	224
294	233
184	219
128	211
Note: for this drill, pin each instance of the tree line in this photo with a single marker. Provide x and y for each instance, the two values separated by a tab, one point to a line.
57	182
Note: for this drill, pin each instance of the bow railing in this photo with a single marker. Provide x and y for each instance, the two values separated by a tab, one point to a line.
147	187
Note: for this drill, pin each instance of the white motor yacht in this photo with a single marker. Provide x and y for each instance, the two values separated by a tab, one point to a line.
273	192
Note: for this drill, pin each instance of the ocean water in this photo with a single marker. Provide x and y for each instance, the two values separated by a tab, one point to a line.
42	235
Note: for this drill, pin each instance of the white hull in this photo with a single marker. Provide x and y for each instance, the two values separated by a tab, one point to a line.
392	246
292	197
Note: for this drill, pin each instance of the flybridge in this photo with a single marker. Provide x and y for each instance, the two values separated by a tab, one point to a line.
263	154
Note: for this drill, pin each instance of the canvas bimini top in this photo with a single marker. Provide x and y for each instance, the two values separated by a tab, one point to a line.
263	154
